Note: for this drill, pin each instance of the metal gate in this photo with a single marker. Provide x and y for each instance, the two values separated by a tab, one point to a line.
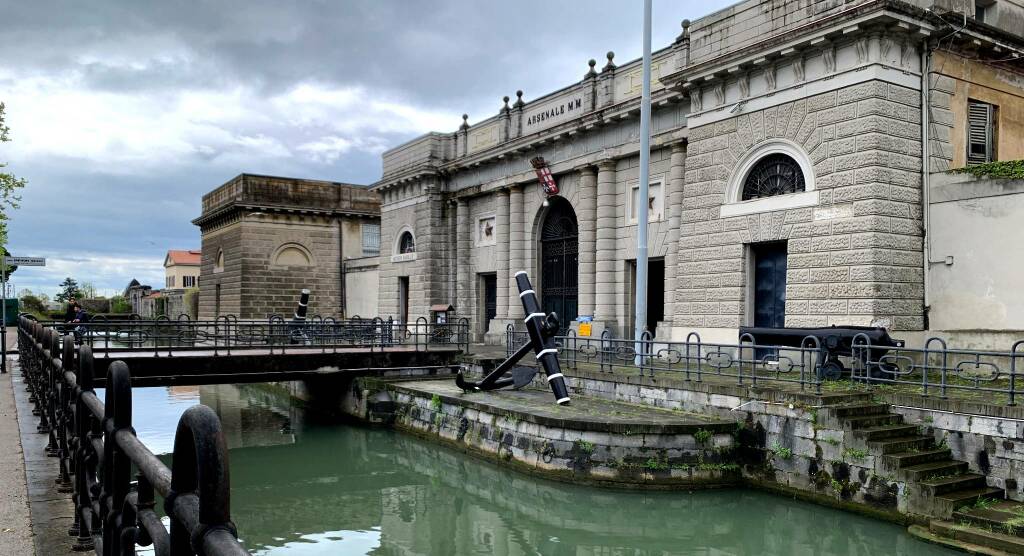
560	262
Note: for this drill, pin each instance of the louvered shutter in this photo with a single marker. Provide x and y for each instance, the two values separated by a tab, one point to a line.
979	132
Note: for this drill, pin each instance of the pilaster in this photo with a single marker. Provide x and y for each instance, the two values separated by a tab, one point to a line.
516	234
674	195
605	286
587	217
501	225
464	287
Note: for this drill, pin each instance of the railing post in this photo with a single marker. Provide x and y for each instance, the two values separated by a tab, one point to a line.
117	467
84	465
1014	354
200	469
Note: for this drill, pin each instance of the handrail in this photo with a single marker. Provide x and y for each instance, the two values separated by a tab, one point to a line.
96	444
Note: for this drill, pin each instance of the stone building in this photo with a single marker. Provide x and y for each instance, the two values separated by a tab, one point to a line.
181	268
266	238
795	144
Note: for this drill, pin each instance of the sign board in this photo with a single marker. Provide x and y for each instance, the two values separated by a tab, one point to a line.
585	325
550	113
25	261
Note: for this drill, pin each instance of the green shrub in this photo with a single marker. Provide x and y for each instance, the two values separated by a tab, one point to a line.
1005	169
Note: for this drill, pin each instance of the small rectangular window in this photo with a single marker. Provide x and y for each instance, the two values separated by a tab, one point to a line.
981	118
371	240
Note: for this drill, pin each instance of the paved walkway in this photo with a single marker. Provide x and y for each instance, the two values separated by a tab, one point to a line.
15	526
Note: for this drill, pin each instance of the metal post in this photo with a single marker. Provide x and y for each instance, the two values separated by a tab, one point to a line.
642	196
3	325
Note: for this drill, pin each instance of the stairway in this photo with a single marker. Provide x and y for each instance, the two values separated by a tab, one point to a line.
939	484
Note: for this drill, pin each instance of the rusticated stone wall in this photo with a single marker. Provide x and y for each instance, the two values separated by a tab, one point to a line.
854	257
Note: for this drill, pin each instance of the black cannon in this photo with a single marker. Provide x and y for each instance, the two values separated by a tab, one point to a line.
834	342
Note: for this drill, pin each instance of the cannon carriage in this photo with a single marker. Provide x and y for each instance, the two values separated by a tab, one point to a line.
866	343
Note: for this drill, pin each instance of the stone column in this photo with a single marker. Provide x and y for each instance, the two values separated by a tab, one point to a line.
604	288
517	246
464	285
501	230
587	217
674	196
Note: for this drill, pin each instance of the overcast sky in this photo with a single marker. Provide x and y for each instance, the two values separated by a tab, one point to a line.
124	113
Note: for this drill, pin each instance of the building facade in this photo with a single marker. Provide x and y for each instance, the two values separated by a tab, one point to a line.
794	147
181	268
266	238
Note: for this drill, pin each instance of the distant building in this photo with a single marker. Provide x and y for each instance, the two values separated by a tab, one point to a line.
266	238
134	293
181	269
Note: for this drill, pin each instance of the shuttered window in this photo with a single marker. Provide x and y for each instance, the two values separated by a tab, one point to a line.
980	132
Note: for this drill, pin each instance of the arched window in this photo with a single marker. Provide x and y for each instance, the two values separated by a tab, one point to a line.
292	254
218	265
775	174
406	243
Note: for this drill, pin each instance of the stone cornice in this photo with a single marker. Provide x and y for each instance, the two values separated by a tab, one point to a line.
818	34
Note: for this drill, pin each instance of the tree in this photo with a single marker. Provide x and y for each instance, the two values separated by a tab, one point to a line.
68	289
9	184
88	290
33	304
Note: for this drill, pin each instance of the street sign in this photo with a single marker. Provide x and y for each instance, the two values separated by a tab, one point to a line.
25	261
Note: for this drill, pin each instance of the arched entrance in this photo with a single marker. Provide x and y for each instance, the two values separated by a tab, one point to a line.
559	261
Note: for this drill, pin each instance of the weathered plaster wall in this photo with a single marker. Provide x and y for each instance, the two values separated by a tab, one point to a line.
974	277
954	80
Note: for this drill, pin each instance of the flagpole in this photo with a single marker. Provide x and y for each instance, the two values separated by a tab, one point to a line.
644	193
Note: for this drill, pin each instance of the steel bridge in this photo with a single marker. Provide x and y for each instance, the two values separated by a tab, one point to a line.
96	446
228	350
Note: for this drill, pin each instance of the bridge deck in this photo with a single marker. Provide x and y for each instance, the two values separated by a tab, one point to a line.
238	365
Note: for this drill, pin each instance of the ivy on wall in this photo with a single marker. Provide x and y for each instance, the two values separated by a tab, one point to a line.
1005	169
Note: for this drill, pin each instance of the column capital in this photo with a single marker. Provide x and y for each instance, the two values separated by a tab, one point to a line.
679	147
589	169
503	190
606	164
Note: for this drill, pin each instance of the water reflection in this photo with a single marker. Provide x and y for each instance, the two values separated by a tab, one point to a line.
300	487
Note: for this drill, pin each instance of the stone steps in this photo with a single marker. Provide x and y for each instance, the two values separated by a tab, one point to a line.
901	444
958	483
946	504
930	470
942	483
1002	517
901	460
888	431
872	421
1000	542
859	410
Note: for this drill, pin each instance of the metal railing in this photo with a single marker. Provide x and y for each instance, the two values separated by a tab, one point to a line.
165	336
97	450
934	370
747	362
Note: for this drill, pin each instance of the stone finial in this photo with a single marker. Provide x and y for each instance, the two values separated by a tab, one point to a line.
610	65
685	35
465	122
519	100
591	73
504	107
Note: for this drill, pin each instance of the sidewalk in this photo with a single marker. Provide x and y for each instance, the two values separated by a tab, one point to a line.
15	526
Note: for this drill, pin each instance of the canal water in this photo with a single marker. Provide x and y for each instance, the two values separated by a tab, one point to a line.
303	487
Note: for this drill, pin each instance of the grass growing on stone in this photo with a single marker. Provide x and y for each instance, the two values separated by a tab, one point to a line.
702	436
855	454
781	451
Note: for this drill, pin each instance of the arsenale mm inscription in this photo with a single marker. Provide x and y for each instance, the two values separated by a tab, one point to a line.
554	111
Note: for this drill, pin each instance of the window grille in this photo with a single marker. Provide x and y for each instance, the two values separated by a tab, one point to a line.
775	174
371	240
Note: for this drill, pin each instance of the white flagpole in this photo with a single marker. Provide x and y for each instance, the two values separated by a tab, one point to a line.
643	195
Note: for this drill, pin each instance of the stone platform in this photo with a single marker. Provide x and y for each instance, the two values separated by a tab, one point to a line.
592	440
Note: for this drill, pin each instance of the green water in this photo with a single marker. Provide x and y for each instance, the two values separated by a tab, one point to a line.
302	487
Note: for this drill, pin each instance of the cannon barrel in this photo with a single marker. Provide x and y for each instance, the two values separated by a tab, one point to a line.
837	340
302	307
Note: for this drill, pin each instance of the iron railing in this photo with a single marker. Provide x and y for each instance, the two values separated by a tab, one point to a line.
165	335
932	370
97	451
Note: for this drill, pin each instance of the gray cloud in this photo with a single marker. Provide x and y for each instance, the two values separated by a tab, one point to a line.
125	113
